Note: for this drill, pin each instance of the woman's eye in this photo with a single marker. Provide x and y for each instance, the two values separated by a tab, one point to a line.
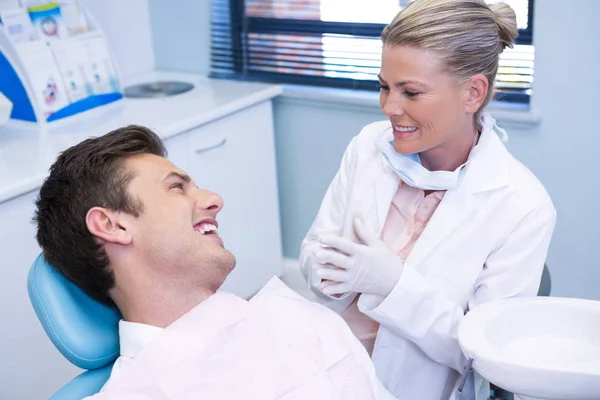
408	93
381	86
177	186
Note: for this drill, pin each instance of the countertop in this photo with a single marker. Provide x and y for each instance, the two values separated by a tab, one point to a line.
28	150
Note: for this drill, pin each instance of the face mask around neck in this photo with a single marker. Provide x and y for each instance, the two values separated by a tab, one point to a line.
413	173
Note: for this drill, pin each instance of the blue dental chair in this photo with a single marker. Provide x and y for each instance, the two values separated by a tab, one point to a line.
83	330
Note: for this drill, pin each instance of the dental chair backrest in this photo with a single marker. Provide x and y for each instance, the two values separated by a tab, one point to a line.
83	330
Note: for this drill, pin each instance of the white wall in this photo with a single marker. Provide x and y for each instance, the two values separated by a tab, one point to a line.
310	141
127	28
181	31
563	150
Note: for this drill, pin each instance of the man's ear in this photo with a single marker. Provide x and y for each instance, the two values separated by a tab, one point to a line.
476	89
106	226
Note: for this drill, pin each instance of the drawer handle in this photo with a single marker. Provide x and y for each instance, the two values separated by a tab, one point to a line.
214	146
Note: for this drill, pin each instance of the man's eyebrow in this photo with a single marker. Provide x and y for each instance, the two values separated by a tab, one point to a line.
184	177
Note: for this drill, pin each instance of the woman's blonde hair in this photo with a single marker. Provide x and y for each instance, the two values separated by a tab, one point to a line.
469	35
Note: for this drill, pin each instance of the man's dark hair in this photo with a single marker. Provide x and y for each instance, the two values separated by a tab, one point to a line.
89	174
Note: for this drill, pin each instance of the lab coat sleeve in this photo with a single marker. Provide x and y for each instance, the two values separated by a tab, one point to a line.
417	311
330	219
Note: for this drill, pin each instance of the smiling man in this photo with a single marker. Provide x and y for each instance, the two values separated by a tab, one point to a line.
133	231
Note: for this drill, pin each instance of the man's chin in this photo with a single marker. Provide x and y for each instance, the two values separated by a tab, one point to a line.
232	262
220	268
226	261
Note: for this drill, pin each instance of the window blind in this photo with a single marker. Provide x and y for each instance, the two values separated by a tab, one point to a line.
334	43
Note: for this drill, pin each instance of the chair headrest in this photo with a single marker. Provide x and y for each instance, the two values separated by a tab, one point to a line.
85	331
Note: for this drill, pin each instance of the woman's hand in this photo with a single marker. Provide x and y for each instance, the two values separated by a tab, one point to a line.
362	268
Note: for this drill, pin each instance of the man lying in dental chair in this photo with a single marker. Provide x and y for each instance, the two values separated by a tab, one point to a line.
133	231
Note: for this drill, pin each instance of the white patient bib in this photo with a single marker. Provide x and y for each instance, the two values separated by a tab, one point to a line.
276	346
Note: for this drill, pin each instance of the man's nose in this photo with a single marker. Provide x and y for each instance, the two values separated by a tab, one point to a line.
209	201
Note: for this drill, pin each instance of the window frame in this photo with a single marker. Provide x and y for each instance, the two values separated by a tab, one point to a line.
240	25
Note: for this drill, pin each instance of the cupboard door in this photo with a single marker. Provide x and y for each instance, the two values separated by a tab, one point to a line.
34	367
235	157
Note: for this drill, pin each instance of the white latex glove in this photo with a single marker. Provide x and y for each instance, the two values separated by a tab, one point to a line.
362	268
309	270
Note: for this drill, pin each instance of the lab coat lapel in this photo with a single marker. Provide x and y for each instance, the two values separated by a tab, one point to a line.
487	171
452	212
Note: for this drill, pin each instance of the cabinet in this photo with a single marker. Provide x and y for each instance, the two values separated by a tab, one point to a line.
233	156
31	366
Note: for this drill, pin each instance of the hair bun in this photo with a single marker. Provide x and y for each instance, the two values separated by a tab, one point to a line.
506	18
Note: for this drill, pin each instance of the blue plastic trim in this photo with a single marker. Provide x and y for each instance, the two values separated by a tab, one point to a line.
83	385
13	88
84	105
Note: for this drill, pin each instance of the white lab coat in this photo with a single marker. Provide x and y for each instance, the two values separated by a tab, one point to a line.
488	239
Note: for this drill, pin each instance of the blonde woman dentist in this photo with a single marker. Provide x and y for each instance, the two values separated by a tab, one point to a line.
429	215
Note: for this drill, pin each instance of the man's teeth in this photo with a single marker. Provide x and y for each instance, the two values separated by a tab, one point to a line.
403	129
205	228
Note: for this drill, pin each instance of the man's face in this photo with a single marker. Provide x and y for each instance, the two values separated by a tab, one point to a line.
175	235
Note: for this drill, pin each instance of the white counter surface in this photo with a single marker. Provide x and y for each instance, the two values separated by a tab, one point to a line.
27	152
